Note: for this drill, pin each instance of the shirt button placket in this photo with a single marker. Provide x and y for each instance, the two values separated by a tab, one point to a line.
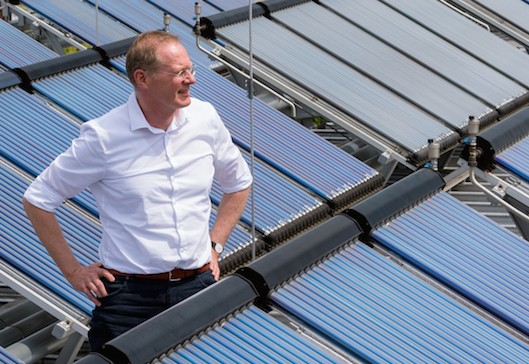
170	156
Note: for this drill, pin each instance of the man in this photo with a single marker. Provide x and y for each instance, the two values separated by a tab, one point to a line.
149	165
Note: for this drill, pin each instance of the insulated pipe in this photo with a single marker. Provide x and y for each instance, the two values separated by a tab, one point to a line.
181	321
473	155
36	346
16	311
23	328
9	79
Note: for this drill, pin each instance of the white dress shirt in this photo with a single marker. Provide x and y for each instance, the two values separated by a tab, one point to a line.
151	186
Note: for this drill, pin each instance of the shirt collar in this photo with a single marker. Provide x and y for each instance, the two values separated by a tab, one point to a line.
138	121
136	117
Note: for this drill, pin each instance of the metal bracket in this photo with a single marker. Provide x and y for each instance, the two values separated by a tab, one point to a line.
62	329
44	299
70	349
50	30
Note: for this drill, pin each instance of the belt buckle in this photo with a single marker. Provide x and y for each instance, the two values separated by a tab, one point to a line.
171	279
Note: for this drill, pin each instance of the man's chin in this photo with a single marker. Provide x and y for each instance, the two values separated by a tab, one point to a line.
183	101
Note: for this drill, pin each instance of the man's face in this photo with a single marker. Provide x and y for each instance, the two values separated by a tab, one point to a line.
170	83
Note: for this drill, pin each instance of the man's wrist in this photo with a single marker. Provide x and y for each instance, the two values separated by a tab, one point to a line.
217	247
73	271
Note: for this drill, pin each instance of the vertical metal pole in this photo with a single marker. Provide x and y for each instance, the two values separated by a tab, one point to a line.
250	96
250	89
97	23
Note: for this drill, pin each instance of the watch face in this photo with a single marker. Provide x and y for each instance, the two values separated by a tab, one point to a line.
218	248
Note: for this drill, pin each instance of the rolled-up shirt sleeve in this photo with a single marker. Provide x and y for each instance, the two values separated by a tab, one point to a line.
231	170
72	171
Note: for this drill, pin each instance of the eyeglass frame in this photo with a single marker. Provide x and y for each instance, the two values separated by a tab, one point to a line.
182	74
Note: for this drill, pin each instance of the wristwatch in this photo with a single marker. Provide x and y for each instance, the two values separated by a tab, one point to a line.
218	247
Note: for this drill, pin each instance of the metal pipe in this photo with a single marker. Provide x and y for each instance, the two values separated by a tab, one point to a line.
474	19
433	154
508	206
473	130
473	154
293	112
197	29
166	22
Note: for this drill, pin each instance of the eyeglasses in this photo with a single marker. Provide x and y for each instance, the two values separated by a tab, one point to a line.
182	74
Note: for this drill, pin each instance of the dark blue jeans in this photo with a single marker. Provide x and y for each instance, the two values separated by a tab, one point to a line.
131	301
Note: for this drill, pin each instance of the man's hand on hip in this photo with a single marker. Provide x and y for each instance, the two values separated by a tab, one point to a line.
214	265
88	281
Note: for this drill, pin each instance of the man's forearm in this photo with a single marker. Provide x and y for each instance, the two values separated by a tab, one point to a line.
50	234
83	279
230	209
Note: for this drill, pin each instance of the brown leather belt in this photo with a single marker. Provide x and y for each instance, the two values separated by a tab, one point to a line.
172	276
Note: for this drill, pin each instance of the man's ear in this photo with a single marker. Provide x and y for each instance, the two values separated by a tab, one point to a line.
140	77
